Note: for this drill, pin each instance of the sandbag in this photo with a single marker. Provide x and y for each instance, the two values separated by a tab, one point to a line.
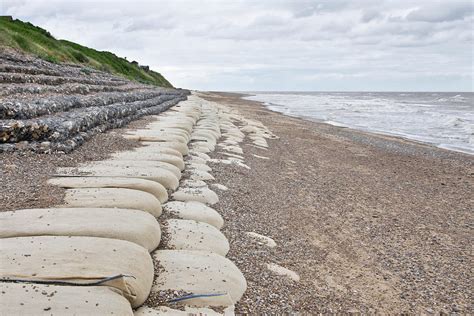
182	148
194	211
192	235
160	135
200	155
200	272
163	150
162	176
20	299
193	184
200	194
195	174
111	197
79	260
152	187
125	224
199	166
122	163
188	311
159	156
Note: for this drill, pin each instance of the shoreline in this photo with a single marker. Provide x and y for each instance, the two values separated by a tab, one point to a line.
366	130
384	135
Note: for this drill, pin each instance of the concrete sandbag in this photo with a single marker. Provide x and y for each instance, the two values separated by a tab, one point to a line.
188	311
136	163
158	156
185	126
200	272
182	148
80	260
192	235
200	155
152	187
200	166
20	299
163	134
112	198
201	149
126	224
155	138
193	184
196	160
162	150
194	211
195	174
200	194
160	175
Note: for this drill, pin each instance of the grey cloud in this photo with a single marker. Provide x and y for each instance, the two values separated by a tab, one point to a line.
442	12
251	44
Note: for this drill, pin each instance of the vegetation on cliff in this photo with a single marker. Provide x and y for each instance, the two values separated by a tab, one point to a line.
35	40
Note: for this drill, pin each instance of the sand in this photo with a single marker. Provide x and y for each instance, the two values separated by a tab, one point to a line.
369	223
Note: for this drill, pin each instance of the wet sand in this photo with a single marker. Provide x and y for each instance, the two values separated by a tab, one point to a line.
370	223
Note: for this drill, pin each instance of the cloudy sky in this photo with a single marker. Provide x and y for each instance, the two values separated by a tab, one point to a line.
377	45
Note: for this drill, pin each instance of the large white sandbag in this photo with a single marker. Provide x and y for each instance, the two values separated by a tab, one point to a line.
192	235
126	224
112	197
195	174
160	175
148	137
196	160
182	148
124	163
185	126
200	194
193	184
162	150
200	273
200	155
199	166
152	187
80	260
194	211
29	299
188	311
162	134
154	155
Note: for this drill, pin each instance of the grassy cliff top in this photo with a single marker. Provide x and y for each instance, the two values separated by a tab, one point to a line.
35	40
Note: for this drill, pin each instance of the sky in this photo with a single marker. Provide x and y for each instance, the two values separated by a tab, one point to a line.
275	45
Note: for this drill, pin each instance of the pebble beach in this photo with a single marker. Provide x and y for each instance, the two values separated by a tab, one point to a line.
348	221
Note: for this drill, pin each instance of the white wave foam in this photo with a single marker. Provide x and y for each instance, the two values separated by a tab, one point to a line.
443	119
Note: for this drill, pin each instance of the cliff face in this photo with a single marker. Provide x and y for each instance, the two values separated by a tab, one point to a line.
39	42
48	107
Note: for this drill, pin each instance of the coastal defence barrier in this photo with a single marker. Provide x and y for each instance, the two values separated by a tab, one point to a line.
48	107
136	233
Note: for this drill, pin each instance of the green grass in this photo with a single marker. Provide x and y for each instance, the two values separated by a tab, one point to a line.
35	40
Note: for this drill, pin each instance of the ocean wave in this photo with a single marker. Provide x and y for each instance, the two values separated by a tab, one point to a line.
417	116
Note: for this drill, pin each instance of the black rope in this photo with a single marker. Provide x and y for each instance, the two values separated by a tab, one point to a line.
57	282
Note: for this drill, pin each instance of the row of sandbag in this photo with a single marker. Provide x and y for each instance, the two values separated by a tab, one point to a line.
109	220
198	258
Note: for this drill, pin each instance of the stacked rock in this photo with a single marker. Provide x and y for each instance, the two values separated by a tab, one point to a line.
46	107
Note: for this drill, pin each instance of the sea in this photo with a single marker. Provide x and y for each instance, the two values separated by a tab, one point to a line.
443	119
